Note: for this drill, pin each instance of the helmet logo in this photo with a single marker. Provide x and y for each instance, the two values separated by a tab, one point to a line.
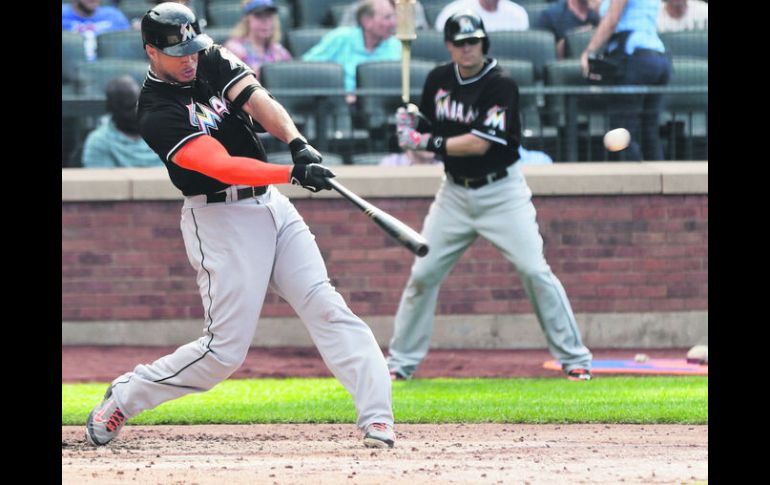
187	31
466	26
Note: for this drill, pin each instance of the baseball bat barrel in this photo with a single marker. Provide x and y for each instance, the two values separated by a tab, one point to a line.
405	235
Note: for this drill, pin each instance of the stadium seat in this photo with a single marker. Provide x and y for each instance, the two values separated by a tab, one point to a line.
538	46
93	77
135	9
309	76
688	112
315	13
72	54
299	41
591	110
120	44
690	43
377	111
429	46
223	14
524	74
335	14
219	34
431	12
576	43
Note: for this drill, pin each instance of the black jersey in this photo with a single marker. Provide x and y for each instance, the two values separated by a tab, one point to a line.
172	114
486	105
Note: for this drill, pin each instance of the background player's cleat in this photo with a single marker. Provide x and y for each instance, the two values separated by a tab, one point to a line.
105	421
397	376
579	374
379	435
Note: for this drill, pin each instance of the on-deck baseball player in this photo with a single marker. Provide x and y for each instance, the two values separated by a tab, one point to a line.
472	109
198	109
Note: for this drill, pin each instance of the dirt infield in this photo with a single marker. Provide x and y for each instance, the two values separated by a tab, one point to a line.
325	454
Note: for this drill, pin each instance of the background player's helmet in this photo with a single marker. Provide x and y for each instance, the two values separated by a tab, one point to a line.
173	28
466	24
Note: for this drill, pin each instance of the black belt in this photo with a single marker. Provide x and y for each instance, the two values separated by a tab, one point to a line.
476	182
245	193
639	51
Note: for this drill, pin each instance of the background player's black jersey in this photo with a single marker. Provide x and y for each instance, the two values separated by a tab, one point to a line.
486	105
172	114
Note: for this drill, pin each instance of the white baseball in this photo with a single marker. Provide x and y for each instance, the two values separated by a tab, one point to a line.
617	139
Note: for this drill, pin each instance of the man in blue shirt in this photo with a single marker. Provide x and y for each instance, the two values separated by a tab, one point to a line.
88	18
371	40
116	142
567	16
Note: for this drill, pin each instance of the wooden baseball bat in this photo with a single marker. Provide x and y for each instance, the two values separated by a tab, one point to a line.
408	237
406	33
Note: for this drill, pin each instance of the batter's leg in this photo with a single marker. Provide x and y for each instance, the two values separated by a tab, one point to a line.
232	251
345	342
448	230
509	222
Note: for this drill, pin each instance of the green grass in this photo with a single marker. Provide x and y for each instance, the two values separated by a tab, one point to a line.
646	400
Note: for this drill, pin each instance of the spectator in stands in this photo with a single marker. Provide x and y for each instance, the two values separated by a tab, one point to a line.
567	16
89	19
496	14
256	39
371	40
678	15
116	141
628	36
420	20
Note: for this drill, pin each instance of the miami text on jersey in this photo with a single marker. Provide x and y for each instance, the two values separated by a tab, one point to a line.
205	117
448	109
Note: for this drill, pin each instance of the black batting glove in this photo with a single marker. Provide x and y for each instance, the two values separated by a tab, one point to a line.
303	153
312	176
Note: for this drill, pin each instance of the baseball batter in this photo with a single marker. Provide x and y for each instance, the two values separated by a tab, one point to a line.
199	109
472	111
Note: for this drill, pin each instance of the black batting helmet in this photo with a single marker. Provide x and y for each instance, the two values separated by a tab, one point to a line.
173	28
464	25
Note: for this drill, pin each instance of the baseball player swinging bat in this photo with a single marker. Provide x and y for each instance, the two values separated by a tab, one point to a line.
399	231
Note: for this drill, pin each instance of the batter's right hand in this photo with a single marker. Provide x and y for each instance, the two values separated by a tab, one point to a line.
312	177
406	116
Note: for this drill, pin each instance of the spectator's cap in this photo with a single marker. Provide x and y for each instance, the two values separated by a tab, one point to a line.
465	24
258	6
174	29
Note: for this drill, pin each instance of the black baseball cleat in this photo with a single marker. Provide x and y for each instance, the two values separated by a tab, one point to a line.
578	374
397	376
105	421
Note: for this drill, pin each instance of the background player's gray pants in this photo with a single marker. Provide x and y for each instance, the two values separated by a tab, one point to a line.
502	212
238	249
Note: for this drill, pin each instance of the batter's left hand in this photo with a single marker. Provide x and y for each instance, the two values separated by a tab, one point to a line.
302	153
409	139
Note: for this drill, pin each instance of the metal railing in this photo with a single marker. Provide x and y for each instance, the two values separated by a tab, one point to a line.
326	101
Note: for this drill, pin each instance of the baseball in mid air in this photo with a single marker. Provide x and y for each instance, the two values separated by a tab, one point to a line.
617	139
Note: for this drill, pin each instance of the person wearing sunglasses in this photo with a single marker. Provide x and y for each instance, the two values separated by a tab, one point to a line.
469	116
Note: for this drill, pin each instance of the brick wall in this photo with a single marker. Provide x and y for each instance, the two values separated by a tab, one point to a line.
613	253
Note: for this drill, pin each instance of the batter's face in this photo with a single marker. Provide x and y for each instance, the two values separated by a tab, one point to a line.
468	57
173	69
